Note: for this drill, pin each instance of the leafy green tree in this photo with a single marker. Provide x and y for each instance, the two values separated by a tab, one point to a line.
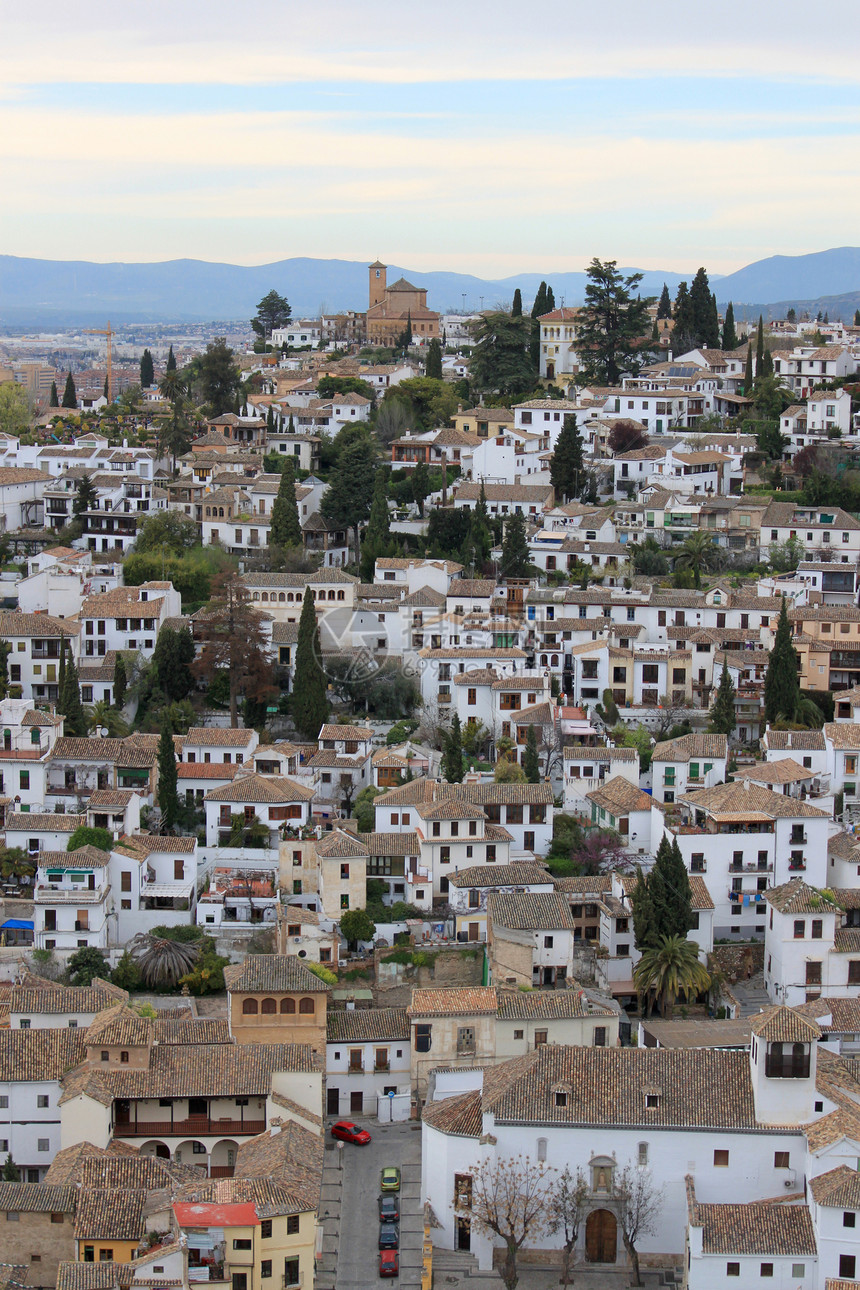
531	761
648	558
781	683
167	530
357	925
86	835
730	338
722	714
273	312
433	366
452	754
566	467
516	560
172	657
329	386
69	703
147	370
86	964
432	402
234	641
612	323
346	501
70	396
697	554
286	530
55	398
363	810
517	306
664	308
669	970
15	409
174	429
309	704
168	790
10	1172
420	486
501	361
219	376
127	974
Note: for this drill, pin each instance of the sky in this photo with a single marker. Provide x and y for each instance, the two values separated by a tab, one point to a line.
482	136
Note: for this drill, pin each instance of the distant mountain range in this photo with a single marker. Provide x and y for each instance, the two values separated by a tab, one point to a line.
61	293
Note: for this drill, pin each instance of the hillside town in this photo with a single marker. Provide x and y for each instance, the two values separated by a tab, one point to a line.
375	690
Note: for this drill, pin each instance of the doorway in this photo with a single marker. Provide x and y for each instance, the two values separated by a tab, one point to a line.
333	1101
474	931
601	1237
463	1234
356	1103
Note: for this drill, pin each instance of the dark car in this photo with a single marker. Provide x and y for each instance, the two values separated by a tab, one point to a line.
344	1131
388	1263
389	1209
389	1236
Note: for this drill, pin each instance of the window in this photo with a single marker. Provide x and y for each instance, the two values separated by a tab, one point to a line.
465	1040
849	1218
599	1036
125	880
799	928
423	1034
540	1037
241	1242
42	1100
854	971
25	779
266	1268
813	973
780	1160
847	1266
123	1057
547	942
12	1217
250	1007
43	1144
561	1098
643	1153
518	1034
58	1218
291	1272
721	1159
767	1269
292	1224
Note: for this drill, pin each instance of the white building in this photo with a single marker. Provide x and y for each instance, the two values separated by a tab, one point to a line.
368	1058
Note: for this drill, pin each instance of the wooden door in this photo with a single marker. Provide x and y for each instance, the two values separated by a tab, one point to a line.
356	1103
601	1237
333	1101
474	931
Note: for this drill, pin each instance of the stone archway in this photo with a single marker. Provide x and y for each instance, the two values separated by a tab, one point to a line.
601	1237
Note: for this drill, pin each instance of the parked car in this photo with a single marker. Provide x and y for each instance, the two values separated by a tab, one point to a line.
390	1180
389	1236
344	1131
389	1265
389	1209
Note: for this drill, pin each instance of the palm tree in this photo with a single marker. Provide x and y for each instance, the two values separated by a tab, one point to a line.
162	962
807	715
697	554
102	714
670	969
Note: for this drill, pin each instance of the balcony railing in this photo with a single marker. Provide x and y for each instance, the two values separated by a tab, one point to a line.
751	867
188	1128
53	894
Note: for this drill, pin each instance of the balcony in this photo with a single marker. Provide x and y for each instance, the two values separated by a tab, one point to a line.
48	893
796	866
751	867
798	840
195	1127
355	1070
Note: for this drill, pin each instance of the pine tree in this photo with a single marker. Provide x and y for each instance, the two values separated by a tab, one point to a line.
168	794
722	712
10	1172
791	316
664	308
531	761
781	684
55	398
516	561
730	340
120	682
759	349
309	705
517	306
286	530
748	372
644	933
452	756
147	370
567	468
70	396
69	704
433	366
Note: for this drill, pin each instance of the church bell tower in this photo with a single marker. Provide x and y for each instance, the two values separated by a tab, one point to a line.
376	284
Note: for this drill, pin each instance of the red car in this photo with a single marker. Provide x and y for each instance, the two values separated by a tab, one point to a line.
388	1265
348	1132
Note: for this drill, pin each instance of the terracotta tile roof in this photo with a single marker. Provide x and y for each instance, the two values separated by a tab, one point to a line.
522	873
391	844
119	1026
269	1197
618	795
261	788
106	1171
116	1215
833	1015
784	771
72	748
530	911
453	1001
832	1128
39	1054
847	940
843	734
37	625
275	972
520	682
778	1230
797	897
575	752
839	1189
43	823
54	998
743	800
796	740
207	770
484	794
218	737
37	1198
516	1005
458	1117
450	808
781	1025
338	844
291	1158
83	857
483	587
585	884
164	844
367	1025
473	652
698	745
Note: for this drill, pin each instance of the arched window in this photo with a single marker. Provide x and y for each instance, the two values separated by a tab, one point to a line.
543	659
341	595
331	595
208	510
249	1007
256	595
541	1148
221	512
265	595
281	597
288	1005
554	661
306	1006
269	1006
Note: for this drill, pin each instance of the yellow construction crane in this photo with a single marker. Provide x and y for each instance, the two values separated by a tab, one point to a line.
94	331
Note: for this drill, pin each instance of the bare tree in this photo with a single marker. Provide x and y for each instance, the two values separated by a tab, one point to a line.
566	1211
672	712
510	1200
638	1203
234	640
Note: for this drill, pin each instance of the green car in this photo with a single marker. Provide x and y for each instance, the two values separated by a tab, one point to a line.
390	1180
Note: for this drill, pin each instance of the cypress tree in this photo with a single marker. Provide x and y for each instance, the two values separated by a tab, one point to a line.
657	890
168	795
147	370
291	425
171	361
655	332
664	308
105	390
781	684
538	308
309	705
479	529
714	336
567	468
748	372
730	340
270	418
759	349
70	396
767	363
722	712
678	915
516	561
379	524
61	672
69	705
644	933
550	300
684	334
517	306
857	317
433	366
702	309
286	530
55	398
531	762
452	757
120	682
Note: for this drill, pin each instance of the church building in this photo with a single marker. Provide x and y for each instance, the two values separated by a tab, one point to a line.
390	309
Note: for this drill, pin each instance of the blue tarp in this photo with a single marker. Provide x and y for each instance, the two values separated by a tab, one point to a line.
18	924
